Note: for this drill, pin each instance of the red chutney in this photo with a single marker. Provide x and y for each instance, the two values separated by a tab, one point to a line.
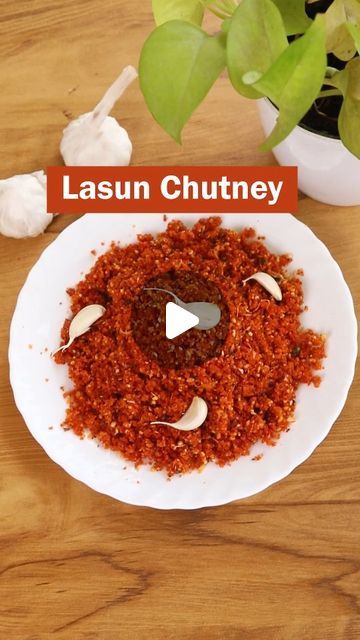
250	387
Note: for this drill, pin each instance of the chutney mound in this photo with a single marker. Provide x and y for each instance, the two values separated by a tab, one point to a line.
249	381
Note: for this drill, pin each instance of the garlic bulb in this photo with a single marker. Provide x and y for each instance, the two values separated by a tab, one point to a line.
23	205
95	138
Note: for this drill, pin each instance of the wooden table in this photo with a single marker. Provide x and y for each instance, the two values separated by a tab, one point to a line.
283	565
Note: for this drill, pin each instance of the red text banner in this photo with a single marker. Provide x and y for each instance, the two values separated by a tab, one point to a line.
171	189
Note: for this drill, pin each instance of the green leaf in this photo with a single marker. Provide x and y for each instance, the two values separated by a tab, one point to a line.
352	10
339	40
348	81
255	39
225	25
187	10
294	15
179	63
354	31
293	82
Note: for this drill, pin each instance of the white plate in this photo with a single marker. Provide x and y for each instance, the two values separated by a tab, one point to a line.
38	318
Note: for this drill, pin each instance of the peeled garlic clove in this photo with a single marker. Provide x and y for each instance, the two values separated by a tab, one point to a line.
192	419
95	138
268	282
82	322
23	205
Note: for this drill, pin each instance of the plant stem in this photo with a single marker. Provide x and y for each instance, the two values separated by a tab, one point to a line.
218	13
230	5
221	6
330	72
329	92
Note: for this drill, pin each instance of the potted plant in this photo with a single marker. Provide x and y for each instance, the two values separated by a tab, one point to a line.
298	58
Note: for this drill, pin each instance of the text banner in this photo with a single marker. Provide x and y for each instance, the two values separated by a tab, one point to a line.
171	189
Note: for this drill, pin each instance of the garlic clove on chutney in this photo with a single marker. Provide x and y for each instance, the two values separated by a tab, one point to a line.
193	418
81	323
23	205
268	282
95	138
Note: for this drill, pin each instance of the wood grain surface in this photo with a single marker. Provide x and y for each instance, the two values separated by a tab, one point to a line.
75	565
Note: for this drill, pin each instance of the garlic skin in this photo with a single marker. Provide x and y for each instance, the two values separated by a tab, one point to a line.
95	138
84	146
23	205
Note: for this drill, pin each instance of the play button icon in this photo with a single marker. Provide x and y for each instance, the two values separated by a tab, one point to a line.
178	320
178	333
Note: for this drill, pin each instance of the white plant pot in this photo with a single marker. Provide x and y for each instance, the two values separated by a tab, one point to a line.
327	170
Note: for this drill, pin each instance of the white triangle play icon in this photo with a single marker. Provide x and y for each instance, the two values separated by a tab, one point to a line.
178	320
